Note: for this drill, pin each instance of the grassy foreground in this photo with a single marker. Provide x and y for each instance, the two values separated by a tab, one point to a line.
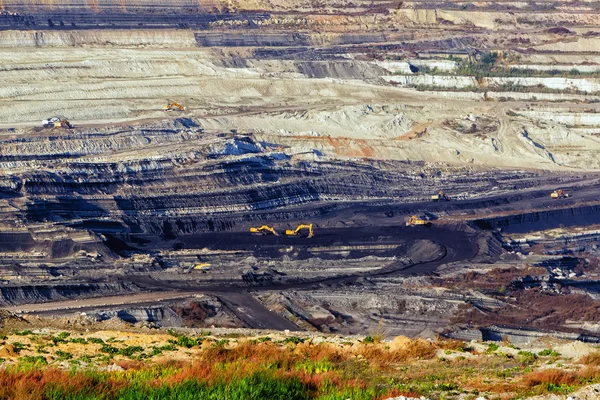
146	366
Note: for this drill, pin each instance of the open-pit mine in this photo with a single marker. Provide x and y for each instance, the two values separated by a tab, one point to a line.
419	168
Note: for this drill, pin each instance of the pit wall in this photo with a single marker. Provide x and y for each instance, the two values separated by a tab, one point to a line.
133	38
543	220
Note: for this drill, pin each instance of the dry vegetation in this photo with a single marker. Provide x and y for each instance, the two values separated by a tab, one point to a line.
133	365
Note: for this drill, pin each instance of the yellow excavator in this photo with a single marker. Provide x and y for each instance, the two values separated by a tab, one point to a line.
57	122
414	221
440	196
264	230
203	267
559	194
296	232
173	106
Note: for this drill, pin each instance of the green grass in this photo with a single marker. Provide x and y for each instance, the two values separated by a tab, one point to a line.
257	386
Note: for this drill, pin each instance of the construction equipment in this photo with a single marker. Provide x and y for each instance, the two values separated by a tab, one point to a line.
296	232
172	106
57	122
415	221
440	196
559	194
203	267
263	230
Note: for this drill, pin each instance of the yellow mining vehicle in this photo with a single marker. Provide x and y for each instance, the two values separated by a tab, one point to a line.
57	122
203	267
414	221
173	106
296	232
559	194
263	230
440	196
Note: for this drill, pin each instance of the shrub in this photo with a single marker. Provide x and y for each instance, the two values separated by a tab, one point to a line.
294	339
130	350
187	342
168	347
155	351
492	347
107	348
28	362
548	352
368	340
525	357
63	355
56	340
18	346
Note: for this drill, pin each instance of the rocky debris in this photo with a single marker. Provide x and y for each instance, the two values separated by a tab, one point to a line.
7	318
591	392
7	350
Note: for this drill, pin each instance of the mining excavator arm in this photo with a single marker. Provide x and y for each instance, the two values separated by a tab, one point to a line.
264	230
172	106
296	231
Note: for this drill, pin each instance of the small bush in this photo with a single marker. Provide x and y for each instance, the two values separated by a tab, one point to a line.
368	340
168	347
63	355
294	339
548	352
107	348
28	362
187	342
155	351
525	357
18	346
95	340
492	347
130	350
